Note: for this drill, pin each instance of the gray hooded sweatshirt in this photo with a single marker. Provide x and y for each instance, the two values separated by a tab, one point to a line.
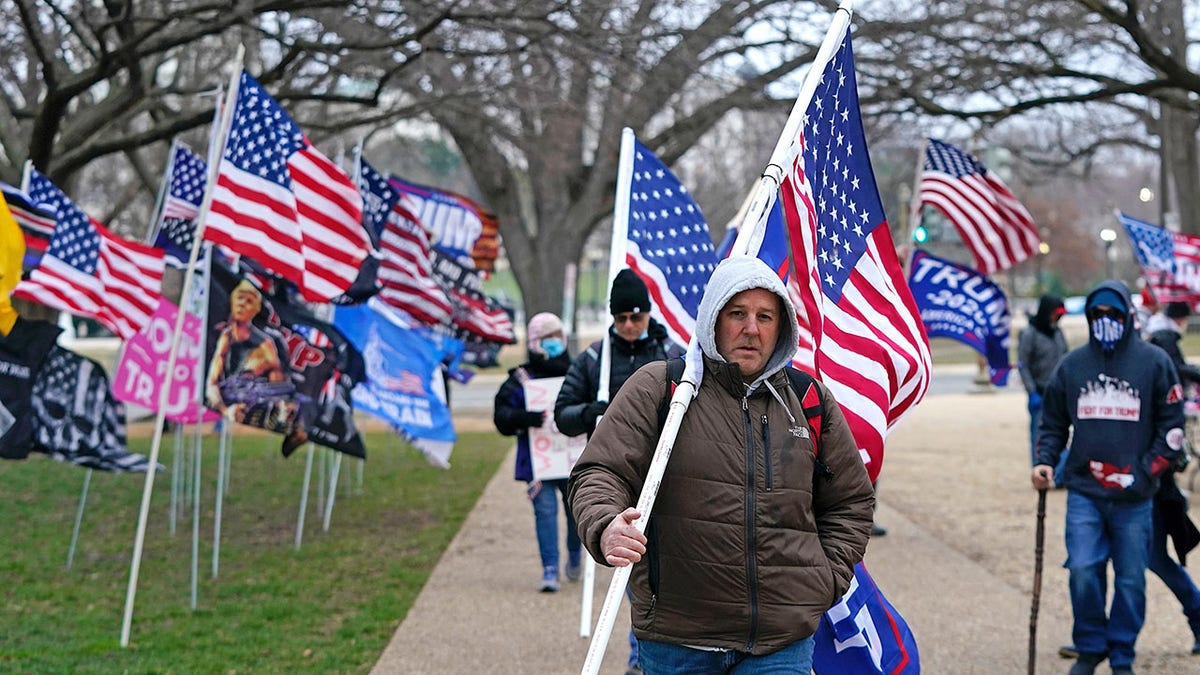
748	543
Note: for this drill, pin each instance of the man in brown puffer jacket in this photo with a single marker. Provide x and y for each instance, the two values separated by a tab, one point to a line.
757	526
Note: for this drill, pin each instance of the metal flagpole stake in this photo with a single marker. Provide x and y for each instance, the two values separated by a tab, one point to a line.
87	481
333	479
304	496
1038	549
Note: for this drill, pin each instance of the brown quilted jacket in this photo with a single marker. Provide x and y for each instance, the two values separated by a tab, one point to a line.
747	549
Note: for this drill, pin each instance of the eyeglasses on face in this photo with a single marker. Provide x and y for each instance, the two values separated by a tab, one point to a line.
627	317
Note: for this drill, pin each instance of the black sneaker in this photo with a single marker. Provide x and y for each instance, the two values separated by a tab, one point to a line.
1068	652
877	531
1086	664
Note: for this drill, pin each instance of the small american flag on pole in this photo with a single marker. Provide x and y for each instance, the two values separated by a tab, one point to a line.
668	246
181	204
406	268
281	202
868	343
993	224
1170	261
90	272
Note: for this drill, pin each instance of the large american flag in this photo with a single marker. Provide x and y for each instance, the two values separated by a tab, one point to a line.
188	174
868	343
668	245
406	268
37	224
993	224
90	272
281	202
1170	261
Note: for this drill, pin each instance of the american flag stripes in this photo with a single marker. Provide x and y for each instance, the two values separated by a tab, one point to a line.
1170	261
406	269
993	224
668	244
37	224
281	202
188	175
90	272
455	223
868	343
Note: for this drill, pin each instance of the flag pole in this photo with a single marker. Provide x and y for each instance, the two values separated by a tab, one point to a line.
767	191
161	197
768	185
914	207
139	540
616	262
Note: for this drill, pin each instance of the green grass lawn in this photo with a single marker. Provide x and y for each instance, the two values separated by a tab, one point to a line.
330	607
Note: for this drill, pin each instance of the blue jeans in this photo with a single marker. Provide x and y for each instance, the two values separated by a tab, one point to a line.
545	514
1097	531
664	658
1175	577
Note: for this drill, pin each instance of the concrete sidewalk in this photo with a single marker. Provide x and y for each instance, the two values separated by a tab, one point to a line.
957	563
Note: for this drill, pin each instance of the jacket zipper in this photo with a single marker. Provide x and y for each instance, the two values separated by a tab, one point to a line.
751	571
766	438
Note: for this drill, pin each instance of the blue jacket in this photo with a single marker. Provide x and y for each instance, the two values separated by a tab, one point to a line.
1126	408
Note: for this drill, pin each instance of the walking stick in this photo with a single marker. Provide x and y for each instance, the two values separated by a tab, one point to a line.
1038	549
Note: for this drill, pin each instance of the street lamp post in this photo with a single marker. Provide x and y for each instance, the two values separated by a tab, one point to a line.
1108	236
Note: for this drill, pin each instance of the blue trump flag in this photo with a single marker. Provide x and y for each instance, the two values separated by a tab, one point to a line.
864	634
404	384
962	304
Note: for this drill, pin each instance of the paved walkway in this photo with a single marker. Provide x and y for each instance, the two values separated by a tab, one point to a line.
957	562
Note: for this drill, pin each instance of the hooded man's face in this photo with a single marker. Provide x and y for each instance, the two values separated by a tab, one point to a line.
747	330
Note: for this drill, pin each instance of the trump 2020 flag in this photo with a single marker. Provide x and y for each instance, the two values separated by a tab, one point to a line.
868	343
404	385
668	244
959	303
864	634
279	201
90	272
1170	261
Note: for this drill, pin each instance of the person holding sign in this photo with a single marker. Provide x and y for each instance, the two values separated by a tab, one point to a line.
548	358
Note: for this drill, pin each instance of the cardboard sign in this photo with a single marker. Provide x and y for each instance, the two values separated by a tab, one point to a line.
552	453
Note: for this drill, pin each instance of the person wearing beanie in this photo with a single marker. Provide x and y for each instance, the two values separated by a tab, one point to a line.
1118	402
764	508
635	339
1040	346
548	357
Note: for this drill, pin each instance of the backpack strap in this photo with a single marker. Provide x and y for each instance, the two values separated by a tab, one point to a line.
674	376
811	400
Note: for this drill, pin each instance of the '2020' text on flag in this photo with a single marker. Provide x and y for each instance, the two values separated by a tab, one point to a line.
281	202
90	272
993	223
668	246
1170	261
868	344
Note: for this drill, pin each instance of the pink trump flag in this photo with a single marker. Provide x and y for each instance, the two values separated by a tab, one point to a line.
142	369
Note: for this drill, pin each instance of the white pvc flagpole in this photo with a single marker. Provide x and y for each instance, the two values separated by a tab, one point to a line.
197	455
333	479
163	187
176	468
616	262
222	450
164	392
772	176
87	481
304	495
682	397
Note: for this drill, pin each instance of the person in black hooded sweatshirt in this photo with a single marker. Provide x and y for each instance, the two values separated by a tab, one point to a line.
1039	349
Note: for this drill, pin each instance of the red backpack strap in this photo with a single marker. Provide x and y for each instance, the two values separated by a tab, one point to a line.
811	401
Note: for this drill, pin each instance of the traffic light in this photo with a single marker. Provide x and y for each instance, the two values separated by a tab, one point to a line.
920	234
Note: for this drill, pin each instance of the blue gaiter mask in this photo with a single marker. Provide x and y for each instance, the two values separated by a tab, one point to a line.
1107	331
554	347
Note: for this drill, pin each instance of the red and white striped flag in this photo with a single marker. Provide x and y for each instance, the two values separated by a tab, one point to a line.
90	272
996	227
281	202
865	336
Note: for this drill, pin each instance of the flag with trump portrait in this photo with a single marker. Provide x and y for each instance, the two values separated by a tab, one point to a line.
281	202
87	270
668	244
962	304
868	344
